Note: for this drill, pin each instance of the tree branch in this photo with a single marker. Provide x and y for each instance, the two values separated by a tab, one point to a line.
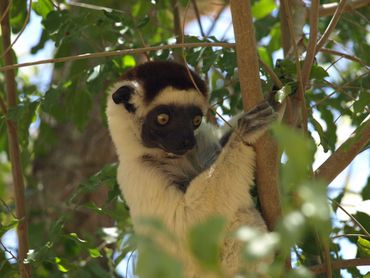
117	53
14	151
21	31
343	156
296	100
178	30
333	22
311	48
197	14
340	264
330	8
266	148
285	34
344	55
310	57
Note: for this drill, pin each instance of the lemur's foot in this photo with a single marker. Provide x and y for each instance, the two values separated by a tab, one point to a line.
255	122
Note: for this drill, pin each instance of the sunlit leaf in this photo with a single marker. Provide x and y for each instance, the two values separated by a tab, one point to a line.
265	56
42	7
94	253
76	238
262	8
364	247
61	267
281	94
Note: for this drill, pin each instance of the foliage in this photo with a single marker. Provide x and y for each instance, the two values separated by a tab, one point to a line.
339	90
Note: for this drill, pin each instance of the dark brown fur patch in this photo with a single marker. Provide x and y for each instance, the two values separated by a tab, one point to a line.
155	76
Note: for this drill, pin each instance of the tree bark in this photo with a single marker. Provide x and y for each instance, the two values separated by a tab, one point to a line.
266	147
344	155
14	150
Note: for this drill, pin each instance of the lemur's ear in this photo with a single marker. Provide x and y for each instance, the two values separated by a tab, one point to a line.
123	95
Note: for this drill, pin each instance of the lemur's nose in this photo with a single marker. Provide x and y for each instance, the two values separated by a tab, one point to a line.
188	143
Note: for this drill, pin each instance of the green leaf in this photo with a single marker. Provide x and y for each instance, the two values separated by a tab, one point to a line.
364	219
75	237
263	8
42	7
318	73
5	228
205	239
283	93
275	41
94	253
58	262
323	140
143	21
363	101
299	151
265	56
363	247
128	61
366	191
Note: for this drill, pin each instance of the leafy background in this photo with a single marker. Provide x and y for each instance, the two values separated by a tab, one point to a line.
79	225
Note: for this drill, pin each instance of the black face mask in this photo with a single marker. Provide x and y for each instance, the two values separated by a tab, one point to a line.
171	128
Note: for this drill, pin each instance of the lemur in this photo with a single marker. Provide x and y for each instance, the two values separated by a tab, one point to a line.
175	167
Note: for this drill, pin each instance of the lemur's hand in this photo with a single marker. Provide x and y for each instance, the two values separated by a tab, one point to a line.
255	122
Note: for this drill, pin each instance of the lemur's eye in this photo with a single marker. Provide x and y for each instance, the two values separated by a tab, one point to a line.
163	118
197	120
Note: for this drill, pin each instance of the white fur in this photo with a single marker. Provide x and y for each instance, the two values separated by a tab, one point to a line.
223	188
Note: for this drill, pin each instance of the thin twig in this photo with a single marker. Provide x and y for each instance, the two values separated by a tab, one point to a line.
333	22
340	89
352	217
113	53
197	14
340	264
8	251
337	88
217	17
5	12
344	55
21	31
329	8
93	7
349	235
272	74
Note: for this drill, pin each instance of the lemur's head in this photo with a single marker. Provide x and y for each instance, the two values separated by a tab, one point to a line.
164	102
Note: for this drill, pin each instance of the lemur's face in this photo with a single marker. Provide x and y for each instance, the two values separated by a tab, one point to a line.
166	102
171	128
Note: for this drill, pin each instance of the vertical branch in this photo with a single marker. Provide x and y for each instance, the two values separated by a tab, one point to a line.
285	35
266	147
14	151
179	57
311	48
246	50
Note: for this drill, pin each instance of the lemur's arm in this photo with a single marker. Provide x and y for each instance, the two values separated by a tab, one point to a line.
224	187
